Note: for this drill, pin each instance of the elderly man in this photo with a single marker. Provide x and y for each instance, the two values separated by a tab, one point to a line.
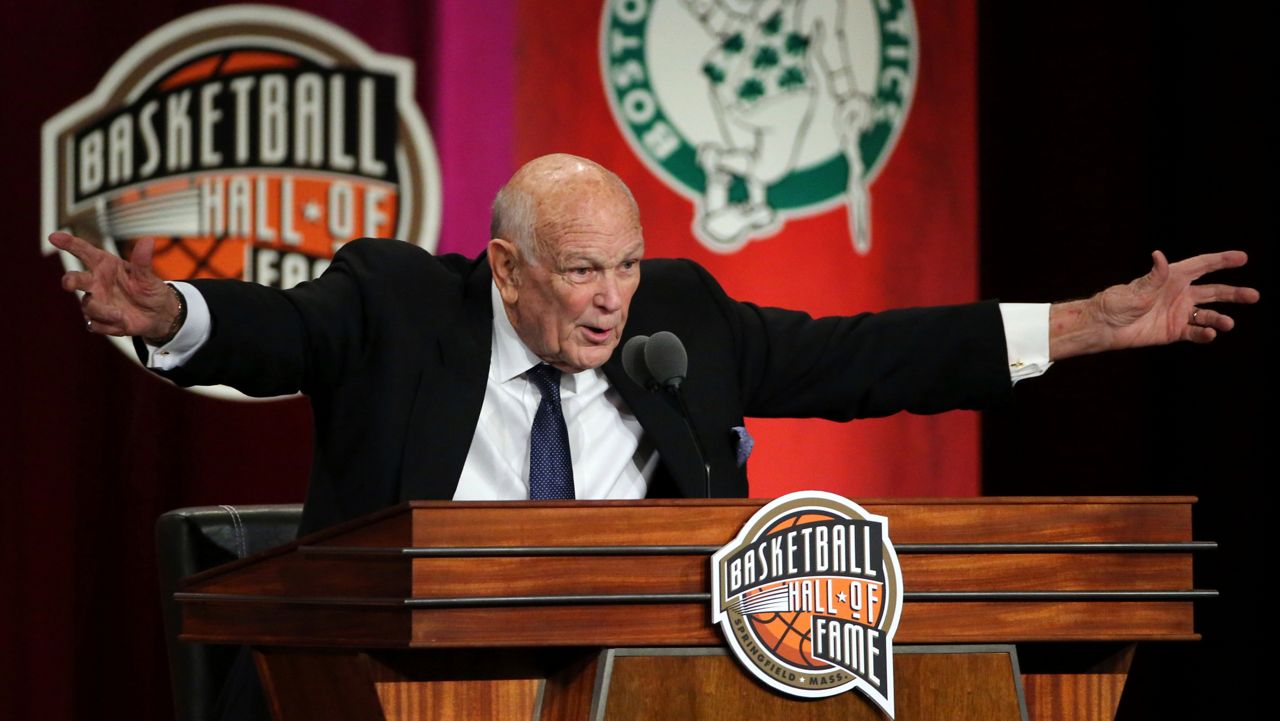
443	377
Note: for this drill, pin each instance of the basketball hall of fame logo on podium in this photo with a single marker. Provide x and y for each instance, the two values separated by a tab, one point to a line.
249	142
808	596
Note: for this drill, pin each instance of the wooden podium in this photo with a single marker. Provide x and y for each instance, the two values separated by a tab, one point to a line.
1015	608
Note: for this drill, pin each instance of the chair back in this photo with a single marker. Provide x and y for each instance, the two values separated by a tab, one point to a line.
190	540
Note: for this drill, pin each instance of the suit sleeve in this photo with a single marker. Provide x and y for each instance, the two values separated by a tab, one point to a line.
266	342
920	360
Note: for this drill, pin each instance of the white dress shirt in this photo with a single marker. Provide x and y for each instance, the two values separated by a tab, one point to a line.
611	458
617	460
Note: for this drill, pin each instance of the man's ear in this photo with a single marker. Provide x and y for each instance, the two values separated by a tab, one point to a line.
504	262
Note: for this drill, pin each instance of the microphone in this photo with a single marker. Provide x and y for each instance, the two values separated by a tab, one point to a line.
666	358
633	362
657	361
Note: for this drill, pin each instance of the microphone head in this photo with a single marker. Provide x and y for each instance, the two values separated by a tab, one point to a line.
666	357
634	364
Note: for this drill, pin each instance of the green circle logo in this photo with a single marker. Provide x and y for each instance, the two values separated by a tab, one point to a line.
761	110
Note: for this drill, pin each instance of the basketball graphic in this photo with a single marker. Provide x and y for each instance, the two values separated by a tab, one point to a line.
786	633
809	594
248	142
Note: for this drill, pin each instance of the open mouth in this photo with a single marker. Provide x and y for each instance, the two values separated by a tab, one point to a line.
597	334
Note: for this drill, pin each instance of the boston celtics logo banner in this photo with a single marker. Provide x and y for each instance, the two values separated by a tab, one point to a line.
802	104
812	154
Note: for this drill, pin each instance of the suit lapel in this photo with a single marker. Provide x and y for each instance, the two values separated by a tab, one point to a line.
659	415
450	392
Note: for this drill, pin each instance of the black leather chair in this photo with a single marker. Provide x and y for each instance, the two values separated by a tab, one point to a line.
190	540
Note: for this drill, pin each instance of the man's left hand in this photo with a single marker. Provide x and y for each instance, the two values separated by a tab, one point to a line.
1160	307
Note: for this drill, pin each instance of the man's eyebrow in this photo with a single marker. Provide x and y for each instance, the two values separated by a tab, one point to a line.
582	257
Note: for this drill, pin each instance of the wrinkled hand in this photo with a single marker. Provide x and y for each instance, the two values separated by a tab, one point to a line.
1158	308
120	298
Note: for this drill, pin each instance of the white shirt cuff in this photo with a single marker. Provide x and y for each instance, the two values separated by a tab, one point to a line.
191	336
1026	335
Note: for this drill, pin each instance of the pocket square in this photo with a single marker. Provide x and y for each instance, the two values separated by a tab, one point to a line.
743	444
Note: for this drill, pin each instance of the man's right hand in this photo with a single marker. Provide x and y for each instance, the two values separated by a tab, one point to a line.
120	298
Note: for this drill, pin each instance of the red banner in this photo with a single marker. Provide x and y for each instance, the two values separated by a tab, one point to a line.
832	172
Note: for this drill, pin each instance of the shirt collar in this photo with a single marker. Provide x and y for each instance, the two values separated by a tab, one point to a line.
511	357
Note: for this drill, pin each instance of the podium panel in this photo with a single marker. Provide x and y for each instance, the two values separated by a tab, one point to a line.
957	683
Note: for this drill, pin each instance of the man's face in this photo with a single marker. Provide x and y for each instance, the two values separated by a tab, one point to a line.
572	304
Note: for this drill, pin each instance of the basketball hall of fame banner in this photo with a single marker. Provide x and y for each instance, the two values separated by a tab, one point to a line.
812	154
249	142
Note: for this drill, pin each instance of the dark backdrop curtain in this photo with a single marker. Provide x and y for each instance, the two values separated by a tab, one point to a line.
93	449
1107	132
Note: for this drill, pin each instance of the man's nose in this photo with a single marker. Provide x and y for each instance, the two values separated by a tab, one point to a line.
608	294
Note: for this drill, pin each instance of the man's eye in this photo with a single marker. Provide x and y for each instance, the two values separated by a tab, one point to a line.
580	272
629	265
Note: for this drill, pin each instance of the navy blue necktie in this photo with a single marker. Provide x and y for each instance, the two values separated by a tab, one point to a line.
550	467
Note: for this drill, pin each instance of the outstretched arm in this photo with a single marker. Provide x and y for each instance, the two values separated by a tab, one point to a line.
1160	307
120	297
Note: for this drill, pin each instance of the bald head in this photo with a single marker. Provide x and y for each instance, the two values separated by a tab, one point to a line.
565	254
551	192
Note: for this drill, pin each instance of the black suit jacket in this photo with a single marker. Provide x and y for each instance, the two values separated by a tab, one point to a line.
392	345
